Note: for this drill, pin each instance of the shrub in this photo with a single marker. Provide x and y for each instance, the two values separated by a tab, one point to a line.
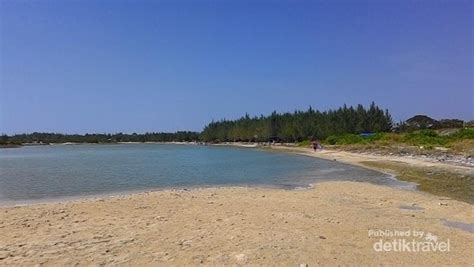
346	139
467	133
424	137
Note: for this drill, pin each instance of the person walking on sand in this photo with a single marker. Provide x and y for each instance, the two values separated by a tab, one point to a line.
314	144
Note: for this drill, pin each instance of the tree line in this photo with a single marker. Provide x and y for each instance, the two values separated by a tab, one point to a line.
282	127
300	125
51	138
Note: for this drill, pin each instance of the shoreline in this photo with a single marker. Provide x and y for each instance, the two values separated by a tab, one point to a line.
131	193
350	158
357	159
124	193
429	176
442	179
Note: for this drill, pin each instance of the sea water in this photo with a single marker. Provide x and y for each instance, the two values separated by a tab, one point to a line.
58	171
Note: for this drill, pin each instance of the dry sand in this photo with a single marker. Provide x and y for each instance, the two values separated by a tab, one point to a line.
326	225
358	158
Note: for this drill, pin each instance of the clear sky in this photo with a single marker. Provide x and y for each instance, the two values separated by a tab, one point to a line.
137	66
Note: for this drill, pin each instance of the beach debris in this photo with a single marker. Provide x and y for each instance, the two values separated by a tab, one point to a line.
303	265
322	237
443	204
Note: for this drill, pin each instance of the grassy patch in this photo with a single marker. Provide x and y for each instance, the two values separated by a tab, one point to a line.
433	180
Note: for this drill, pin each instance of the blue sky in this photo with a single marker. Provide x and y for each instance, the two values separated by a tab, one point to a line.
137	66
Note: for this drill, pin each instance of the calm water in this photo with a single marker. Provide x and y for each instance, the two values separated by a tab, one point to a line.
45	172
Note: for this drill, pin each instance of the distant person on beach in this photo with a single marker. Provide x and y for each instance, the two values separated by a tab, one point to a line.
316	145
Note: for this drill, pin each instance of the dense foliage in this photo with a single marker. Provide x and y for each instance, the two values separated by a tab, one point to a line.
425	137
99	138
300	125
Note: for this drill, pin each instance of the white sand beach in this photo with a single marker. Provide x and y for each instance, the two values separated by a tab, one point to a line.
329	224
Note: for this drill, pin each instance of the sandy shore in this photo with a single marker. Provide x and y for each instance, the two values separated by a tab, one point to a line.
359	158
325	225
442	178
334	223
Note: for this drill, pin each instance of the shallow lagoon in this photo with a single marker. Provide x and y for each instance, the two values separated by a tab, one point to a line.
58	171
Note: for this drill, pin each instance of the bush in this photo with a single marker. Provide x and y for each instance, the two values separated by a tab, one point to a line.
463	134
346	139
424	137
331	140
